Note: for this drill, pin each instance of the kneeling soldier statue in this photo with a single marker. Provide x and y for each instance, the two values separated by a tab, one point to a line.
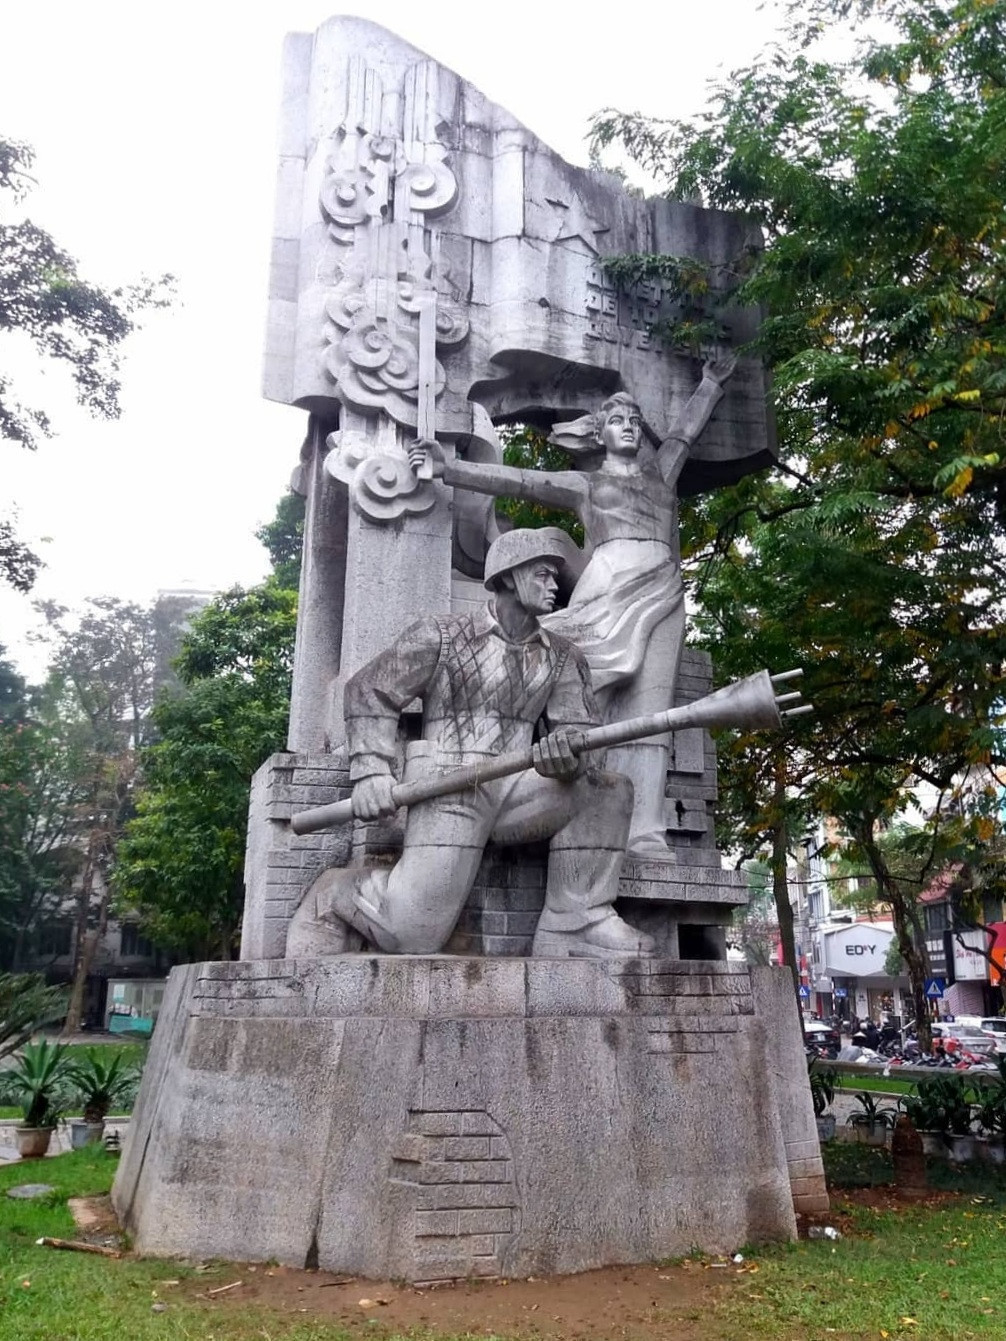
488	682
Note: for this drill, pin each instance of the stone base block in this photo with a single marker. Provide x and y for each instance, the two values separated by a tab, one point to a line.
430	1118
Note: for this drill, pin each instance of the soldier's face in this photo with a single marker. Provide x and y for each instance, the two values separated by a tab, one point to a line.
537	585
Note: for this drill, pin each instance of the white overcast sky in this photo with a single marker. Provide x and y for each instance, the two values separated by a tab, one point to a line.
155	131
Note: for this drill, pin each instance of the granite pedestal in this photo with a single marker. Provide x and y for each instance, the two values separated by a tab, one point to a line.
434	1118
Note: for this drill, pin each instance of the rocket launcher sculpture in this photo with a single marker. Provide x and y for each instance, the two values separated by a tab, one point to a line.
751	703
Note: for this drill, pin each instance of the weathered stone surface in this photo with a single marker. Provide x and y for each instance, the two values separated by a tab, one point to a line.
775	1004
434	1118
487	682
521	234
437	267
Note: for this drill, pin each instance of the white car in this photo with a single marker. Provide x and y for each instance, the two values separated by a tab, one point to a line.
993	1026
968	1036
996	1027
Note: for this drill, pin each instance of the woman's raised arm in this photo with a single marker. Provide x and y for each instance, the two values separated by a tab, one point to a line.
697	412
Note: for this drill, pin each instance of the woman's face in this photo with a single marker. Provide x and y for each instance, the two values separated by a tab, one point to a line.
622	430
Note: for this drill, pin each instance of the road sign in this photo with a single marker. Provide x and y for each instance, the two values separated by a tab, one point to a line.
934	988
841	993
804	992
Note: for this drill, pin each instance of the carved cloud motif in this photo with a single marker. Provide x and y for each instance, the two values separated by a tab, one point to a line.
431	186
356	187
383	488
375	361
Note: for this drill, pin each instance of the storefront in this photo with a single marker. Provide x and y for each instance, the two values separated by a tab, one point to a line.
855	958
970	993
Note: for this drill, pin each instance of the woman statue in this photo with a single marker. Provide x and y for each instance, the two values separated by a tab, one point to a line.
627	611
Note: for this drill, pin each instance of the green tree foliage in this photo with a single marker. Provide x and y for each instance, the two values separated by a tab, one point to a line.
43	809
756	926
67	767
102	685
181	862
67	319
874	555
283	537
105	657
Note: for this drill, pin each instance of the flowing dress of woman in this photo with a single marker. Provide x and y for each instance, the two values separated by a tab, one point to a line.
627	610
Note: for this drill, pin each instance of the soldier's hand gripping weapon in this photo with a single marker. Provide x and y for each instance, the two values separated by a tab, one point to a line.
749	703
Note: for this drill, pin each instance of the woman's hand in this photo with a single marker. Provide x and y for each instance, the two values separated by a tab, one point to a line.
720	369
426	459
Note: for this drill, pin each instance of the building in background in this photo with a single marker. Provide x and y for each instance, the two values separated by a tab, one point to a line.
127	975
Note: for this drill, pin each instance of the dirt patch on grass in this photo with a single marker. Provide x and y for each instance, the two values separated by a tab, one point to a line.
889	1198
689	1301
893	1198
649	1303
93	1215
96	1222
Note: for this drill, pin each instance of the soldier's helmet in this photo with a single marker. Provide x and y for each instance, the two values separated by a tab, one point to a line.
524	545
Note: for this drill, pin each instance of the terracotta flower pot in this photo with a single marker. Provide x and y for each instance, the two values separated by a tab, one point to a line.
33	1142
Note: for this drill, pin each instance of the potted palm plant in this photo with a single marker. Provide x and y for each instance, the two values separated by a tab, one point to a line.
927	1111
960	1137
992	1116
875	1120
822	1092
100	1080
36	1081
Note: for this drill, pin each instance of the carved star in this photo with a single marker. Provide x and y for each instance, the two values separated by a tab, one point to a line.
576	222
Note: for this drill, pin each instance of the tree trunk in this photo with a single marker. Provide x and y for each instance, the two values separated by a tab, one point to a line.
912	951
780	878
17	954
86	940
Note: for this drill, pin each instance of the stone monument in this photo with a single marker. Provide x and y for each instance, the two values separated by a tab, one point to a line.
492	1030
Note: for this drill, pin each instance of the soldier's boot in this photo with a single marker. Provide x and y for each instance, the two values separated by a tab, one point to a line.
339	913
609	938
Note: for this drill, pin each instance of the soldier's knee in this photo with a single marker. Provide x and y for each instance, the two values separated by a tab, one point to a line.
416	935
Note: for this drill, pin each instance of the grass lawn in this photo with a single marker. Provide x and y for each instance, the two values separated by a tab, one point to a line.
928	1272
891	1085
48	1295
934	1271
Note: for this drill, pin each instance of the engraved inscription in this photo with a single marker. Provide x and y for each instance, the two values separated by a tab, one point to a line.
626	316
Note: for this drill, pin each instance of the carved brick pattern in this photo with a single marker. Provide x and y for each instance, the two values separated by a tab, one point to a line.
503	908
466	1207
271	987
691	789
806	1176
688	1036
285	784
